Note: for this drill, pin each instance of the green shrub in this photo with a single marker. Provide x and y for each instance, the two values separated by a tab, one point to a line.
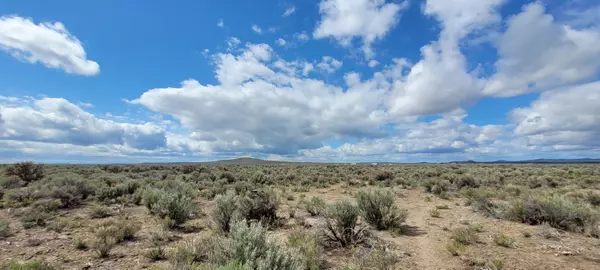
455	248
436	186
250	247
260	205
379	209
174	206
557	211
69	191
5	230
80	244
225	208
308	245
99	211
315	206
26	171
111	193
46	205
246	247
9	182
341	224
27	265
465	236
119	229
378	259
103	245
32	218
503	240
21	197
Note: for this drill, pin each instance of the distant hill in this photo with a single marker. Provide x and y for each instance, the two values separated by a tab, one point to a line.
248	161
539	161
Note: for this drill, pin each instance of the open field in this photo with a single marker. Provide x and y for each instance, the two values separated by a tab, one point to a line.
422	216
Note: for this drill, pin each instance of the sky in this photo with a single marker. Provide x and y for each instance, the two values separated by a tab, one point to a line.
308	80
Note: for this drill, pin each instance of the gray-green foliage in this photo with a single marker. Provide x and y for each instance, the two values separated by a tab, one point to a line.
171	204
555	210
342	224
315	206
246	247
378	208
225	208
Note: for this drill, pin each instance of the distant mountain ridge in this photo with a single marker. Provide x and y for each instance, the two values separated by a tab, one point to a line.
256	161
541	160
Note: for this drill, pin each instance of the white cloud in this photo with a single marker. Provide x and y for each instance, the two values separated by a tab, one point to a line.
373	63
85	104
329	64
48	43
440	82
221	23
538	53
567	117
302	36
289	11
448	134
233	43
257	29
259	109
280	42
369	20
56	120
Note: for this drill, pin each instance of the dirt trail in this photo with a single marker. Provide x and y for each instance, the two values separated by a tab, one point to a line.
424	239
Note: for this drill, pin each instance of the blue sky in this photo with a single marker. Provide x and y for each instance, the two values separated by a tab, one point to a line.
314	80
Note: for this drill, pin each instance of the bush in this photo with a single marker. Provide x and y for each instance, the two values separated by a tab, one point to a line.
342	228
26	171
557	211
80	244
21	197
308	245
118	229
437	186
225	208
465	236
384	175
250	247
103	245
260	205
27	265
46	205
172	205
315	206
32	218
378	259
99	211
107	194
69	191
503	240
5	230
455	248
10	182
246	248
379	209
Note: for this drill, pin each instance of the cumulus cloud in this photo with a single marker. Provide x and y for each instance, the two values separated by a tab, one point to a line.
368	20
568	117
257	108
329	64
48	43
56	120
440	82
447	134
538	53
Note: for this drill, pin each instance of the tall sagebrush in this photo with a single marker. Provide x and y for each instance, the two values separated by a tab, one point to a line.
378	208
